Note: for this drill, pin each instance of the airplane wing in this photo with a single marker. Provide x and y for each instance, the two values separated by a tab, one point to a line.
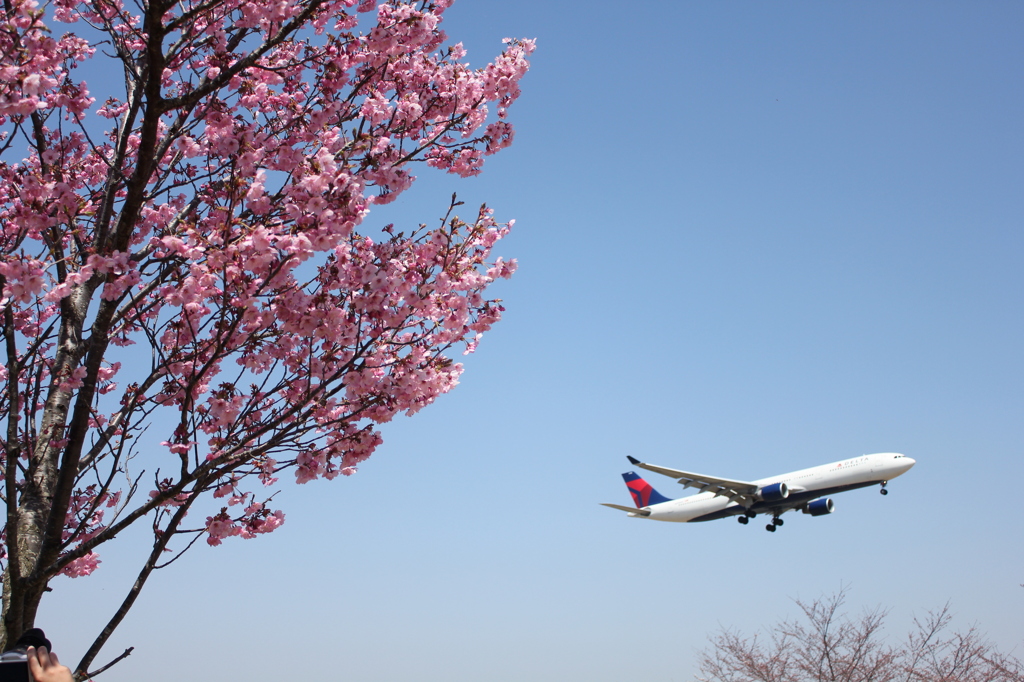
741	492
631	510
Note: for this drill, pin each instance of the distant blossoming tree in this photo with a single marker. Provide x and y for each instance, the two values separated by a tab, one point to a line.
826	645
188	308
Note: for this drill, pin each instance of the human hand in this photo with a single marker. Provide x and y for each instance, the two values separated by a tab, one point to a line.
45	667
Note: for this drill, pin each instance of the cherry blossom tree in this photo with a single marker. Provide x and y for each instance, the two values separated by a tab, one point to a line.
190	310
827	645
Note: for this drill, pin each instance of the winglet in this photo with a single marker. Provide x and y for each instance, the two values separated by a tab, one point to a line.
632	460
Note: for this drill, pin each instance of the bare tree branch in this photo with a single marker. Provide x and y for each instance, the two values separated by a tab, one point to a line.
827	645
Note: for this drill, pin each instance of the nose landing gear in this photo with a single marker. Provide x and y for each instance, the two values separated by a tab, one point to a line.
883	490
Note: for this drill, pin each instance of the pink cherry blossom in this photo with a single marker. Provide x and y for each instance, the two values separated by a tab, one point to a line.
81	566
196	298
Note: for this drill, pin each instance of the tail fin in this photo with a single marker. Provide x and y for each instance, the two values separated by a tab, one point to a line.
643	494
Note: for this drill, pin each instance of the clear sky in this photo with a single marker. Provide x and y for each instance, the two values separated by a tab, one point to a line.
753	237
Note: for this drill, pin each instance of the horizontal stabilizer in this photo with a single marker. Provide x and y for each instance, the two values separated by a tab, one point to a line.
631	510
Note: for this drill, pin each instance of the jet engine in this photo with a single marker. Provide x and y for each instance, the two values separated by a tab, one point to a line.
820	507
774	492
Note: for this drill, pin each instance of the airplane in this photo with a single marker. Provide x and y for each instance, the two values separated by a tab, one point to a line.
718	498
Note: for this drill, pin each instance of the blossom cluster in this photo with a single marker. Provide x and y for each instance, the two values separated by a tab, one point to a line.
85	521
255	520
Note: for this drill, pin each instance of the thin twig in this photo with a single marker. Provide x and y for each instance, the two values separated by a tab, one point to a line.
88	676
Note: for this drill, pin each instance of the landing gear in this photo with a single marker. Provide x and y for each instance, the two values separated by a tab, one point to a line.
744	520
770	528
751	514
777	521
883	490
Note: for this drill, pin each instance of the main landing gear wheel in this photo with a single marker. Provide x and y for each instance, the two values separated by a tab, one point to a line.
744	520
777	521
770	528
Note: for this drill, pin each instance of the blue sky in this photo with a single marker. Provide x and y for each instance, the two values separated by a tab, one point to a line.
753	237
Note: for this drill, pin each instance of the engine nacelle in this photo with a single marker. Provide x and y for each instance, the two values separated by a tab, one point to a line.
820	507
774	492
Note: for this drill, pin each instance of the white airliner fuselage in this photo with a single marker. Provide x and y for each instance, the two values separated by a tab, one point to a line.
773	495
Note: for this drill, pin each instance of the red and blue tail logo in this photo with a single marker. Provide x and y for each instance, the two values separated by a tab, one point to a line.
643	494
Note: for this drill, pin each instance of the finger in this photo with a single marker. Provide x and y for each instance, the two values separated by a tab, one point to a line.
44	657
33	662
